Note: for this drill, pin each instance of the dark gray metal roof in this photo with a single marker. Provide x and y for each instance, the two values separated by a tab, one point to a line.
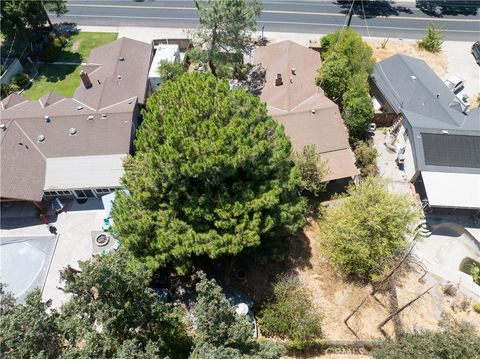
442	136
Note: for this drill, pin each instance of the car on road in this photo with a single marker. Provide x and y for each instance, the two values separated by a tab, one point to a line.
455	83
476	51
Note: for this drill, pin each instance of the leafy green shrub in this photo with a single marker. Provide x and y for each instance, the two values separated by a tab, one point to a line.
366	158
358	109
476	307
290	314
7	89
471	267
433	39
170	70
51	52
368	231
350	44
21	80
312	170
348	61
333	76
454	340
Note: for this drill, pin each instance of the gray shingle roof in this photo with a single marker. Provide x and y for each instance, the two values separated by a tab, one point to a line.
443	137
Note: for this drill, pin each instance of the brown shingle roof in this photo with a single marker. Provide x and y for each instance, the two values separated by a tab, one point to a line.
102	117
292	103
22	166
123	73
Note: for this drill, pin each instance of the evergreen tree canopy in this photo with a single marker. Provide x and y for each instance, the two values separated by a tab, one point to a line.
212	175
225	27
23	16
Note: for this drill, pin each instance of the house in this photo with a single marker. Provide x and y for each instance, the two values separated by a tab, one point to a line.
295	101
437	139
75	147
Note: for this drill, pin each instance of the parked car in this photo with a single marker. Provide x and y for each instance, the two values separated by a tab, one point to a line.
476	52
455	83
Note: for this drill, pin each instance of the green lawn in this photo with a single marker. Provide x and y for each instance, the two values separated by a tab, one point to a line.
80	45
62	79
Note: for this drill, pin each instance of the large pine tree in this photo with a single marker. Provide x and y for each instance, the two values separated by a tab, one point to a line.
212	175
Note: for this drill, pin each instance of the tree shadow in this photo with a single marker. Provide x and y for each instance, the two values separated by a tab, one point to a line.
256	80
55	73
260	271
372	9
439	8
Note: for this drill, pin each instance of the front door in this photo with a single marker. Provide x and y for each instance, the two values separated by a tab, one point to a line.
84	193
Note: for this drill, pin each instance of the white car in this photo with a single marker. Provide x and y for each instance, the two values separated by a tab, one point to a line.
455	83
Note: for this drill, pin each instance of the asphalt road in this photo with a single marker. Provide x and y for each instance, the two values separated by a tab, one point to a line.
375	18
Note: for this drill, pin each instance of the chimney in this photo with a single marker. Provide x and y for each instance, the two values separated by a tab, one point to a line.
278	80
85	79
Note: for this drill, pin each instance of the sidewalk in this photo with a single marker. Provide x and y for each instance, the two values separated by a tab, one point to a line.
460	61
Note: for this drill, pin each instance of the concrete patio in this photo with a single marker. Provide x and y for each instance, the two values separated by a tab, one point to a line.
74	226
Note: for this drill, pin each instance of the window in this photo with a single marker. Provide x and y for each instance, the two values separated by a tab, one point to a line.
103	190
57	193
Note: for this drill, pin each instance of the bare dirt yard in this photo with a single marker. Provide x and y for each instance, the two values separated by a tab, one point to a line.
438	62
336	296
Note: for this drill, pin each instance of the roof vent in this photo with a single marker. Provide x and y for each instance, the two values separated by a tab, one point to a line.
313	112
104	115
3	127
278	80
40	138
444	132
119	77
90	117
438	95
72	131
121	58
47	119
79	107
413	77
294	71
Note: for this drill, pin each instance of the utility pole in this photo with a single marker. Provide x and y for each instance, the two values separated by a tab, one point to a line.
350	14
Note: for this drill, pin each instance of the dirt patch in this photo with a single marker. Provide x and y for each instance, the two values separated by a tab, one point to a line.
474	101
438	62
76	45
336	297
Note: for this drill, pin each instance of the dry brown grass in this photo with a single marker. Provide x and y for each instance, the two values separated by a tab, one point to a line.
438	62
